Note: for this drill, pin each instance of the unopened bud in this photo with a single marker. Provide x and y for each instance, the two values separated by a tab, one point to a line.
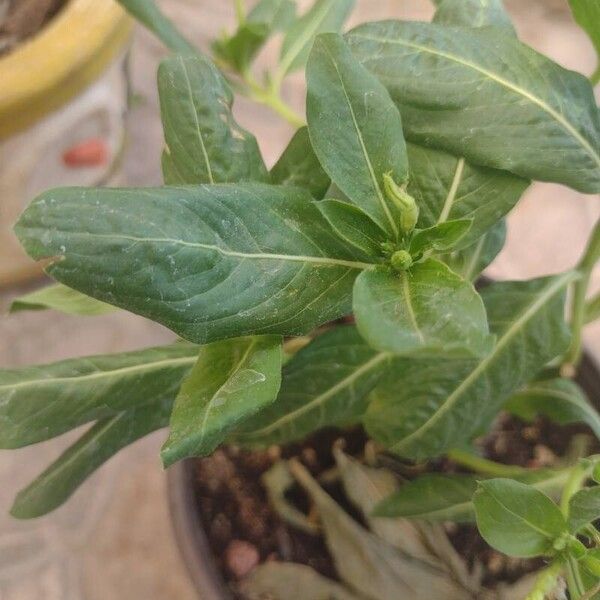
401	260
404	203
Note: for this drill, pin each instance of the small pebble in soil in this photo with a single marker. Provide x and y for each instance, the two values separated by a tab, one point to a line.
240	558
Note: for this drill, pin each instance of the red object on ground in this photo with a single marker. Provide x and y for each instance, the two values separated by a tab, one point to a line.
89	153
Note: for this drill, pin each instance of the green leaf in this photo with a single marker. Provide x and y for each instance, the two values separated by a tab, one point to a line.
324	384
354	226
38	403
355	128
299	166
584	508
482	94
422	408
232	380
171	175
146	12
587	15
561	400
437	497
368	564
323	16
473	13
277	580
60	297
592	309
205	143
210	262
439	238
471	261
432	497
56	484
428	310
517	519
446	187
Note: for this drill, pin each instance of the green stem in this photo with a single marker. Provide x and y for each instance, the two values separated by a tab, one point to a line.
576	587
483	465
546	581
595	76
240	11
593	534
580	287
579	473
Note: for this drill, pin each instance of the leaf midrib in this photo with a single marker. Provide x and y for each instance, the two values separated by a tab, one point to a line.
558	117
453	398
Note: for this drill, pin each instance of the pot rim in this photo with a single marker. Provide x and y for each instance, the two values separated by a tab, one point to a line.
63	58
189	531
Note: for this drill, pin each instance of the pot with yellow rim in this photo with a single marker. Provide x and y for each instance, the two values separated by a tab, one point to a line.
62	105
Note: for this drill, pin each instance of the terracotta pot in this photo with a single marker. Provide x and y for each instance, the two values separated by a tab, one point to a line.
189	533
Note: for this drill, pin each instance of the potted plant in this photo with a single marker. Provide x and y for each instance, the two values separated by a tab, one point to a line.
62	105
336	367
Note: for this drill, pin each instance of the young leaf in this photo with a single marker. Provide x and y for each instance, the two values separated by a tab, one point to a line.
277	580
482	94
439	238
62	298
324	384
517	519
561	400
231	381
432	497
428	310
323	16
210	262
56	484
354	226
422	408
38	403
587	15
355	128
473	13
146	12
205	144
449	188
471	261
368	564
584	508
299	166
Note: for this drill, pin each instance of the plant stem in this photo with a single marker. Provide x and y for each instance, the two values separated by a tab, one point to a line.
576	587
483	465
585	267
545	581
579	473
240	11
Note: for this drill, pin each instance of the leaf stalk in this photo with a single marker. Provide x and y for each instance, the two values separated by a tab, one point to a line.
484	466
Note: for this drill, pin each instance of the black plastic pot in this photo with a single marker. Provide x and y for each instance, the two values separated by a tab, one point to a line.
189	532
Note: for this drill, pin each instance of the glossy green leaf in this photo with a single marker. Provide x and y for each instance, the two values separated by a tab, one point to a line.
439	238
354	226
323	16
428	310
370	565
471	261
291	581
109	435
584	508
324	384
232	380
432	497
587	15
210	262
62	298
439	497
473	13
205	143
38	403
299	166
561	400
446	187
422	408
146	12
482	94
355	128
517	519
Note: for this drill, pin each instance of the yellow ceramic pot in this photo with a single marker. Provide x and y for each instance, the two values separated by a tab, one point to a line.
62	104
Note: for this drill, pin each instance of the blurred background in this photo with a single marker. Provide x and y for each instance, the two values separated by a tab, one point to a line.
113	539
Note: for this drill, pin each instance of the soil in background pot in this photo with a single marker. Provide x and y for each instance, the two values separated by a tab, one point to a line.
243	530
20	19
